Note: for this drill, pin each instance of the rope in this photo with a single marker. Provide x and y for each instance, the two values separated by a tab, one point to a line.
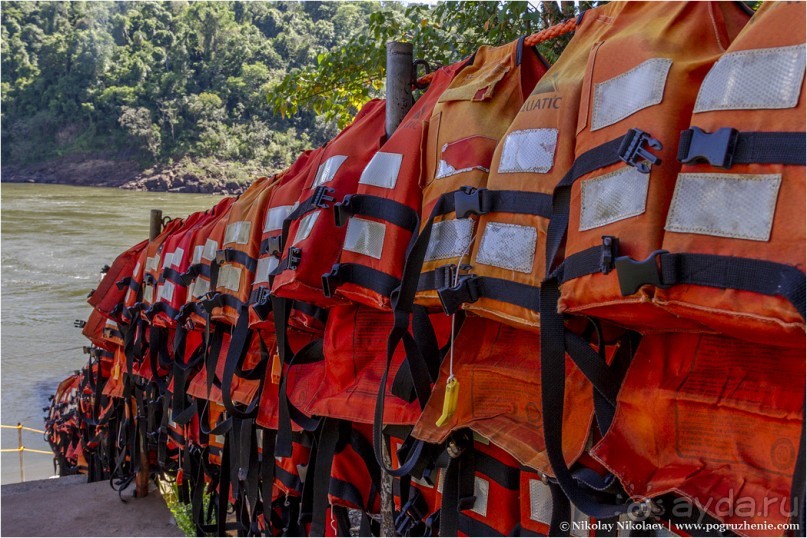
546	34
21	427
24	449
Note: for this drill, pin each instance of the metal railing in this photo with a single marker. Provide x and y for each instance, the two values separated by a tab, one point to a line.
21	449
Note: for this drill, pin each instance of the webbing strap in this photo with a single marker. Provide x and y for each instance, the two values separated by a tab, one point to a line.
325	452
377	207
267	474
471	288
236	353
458	491
726	147
728	272
367	277
231	255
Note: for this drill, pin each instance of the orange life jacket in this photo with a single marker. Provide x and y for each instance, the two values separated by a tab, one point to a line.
383	214
310	231
109	295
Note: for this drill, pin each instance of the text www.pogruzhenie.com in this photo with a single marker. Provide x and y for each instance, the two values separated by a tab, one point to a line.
689	528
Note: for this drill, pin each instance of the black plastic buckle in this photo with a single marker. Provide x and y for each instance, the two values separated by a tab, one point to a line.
321	197
221	256
79	324
634	274
467	290
295	255
469	200
262	296
90	294
716	148
444	276
149	280
632	151
104	269
274	246
331	280
343	211
609	253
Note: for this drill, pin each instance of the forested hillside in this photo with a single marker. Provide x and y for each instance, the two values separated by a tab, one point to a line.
219	91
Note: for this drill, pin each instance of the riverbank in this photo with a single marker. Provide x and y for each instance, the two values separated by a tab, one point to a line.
97	170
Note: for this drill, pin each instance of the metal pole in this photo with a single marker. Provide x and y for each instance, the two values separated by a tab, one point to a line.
142	479
400	76
19	448
155	223
399	83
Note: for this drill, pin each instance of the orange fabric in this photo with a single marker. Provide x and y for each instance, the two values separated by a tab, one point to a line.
715	419
693	35
499	373
407	141
107	296
466	123
745	314
355	145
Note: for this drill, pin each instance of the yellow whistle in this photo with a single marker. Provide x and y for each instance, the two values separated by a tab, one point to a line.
116	371
449	401
277	369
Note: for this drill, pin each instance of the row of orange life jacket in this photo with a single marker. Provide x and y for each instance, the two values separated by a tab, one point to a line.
550	284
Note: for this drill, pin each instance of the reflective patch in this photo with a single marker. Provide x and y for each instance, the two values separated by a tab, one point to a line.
168	259
328	169
176	259
382	170
238	232
167	291
148	293
200	287
276	216
450	239
612	197
197	254
365	237
152	263
508	246
740	206
754	79
262	269
229	277
481	490
540	502
530	150
306	225
617	98
209	252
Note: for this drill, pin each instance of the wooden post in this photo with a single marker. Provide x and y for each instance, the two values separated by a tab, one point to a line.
142	479
20	449
400	76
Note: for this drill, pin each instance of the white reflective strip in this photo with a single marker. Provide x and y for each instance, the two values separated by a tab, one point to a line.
449	239
365	237
302	470
382	170
209	252
136	269
219	439
754	79
168	259
238	232
262	269
540	502
509	246
481	491
197	254
440	476
167	291
199	287
724	205
276	216
306	225
176	259
617	98
613	197
230	277
148	293
530	150
152	263
328	169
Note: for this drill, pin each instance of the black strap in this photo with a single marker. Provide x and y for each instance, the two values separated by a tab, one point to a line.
458	491
231	255
470	288
797	488
236	353
727	146
377	207
760	276
267	473
367	277
325	451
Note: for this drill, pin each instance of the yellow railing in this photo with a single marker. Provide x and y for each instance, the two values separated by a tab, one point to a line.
22	448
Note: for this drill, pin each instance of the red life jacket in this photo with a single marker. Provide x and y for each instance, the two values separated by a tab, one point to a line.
383	213
109	295
313	240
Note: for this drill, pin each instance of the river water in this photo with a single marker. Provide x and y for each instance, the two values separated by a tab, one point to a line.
55	238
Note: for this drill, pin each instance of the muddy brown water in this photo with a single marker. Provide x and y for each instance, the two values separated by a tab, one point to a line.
53	241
